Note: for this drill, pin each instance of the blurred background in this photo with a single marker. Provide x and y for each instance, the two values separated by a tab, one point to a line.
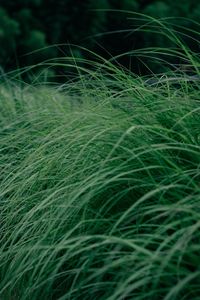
101	26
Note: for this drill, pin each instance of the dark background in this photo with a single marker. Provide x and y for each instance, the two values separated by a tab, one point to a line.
28	25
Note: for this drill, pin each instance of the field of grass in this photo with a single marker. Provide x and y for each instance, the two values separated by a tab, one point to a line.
100	188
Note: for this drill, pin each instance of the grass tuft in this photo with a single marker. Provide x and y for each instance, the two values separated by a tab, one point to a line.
100	188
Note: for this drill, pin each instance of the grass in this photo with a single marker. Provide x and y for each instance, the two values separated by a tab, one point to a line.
100	188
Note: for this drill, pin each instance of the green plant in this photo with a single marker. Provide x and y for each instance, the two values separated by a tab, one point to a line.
9	32
27	25
99	186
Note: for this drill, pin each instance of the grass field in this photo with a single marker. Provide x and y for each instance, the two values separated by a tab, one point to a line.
100	188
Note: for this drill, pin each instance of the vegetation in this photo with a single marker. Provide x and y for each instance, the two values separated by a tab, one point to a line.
99	186
26	26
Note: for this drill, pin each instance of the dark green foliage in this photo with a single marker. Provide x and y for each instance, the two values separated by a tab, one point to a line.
9	31
28	25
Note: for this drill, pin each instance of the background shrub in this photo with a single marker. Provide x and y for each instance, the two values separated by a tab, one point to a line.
26	26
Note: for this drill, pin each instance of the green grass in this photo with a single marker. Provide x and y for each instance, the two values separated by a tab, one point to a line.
100	189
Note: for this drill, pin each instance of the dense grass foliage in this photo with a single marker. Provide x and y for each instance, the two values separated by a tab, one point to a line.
100	189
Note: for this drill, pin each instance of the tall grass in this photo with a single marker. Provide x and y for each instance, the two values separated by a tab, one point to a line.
100	188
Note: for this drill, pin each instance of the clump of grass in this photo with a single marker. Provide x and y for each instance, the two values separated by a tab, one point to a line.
99	189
